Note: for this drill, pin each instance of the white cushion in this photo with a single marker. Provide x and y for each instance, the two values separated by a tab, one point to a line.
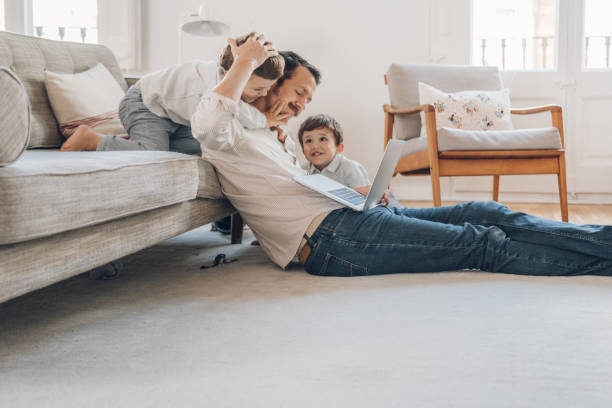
514	139
91	97
469	110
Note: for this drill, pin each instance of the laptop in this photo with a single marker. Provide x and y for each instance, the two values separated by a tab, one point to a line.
349	197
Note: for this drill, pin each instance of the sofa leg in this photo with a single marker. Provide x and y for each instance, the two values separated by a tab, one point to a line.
111	270
237	228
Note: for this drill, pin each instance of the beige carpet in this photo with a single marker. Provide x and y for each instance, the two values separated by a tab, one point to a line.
167	334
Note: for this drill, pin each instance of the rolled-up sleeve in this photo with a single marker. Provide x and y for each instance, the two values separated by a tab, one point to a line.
214	125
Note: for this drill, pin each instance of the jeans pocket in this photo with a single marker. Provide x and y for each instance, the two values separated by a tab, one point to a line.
335	266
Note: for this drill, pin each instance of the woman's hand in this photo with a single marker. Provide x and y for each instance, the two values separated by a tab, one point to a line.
278	114
254	51
281	135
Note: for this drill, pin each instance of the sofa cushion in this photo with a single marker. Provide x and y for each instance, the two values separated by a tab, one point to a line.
14	117
514	139
208	182
28	57
48	192
90	97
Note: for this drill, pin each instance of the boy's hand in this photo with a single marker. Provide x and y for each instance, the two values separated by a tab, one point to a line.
366	189
278	114
253	52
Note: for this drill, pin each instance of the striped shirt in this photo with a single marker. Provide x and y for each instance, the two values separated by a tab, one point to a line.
256	174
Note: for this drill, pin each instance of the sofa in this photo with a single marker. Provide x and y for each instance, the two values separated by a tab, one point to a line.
65	213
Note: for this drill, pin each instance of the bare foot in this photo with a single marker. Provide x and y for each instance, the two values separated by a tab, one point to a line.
83	138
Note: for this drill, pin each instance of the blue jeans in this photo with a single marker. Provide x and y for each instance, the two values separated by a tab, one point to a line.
476	235
148	131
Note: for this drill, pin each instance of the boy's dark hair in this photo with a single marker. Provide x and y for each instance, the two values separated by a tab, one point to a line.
292	62
272	68
321	122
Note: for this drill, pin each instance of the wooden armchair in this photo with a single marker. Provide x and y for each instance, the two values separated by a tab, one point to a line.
473	162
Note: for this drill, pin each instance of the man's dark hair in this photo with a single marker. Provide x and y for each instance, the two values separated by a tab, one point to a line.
321	122
292	62
272	68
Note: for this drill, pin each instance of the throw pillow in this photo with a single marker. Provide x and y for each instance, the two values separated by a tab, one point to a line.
14	117
469	110
87	98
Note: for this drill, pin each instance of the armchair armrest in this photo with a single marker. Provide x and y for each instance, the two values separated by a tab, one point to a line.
409	111
536	109
131	79
430	123
556	114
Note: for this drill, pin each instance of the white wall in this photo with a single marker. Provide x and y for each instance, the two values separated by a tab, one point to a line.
352	42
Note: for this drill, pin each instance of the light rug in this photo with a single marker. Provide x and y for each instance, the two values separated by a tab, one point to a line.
247	334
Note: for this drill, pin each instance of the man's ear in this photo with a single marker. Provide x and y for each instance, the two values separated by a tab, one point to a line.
340	148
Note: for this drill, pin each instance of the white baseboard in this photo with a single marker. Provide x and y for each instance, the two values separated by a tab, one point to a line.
417	188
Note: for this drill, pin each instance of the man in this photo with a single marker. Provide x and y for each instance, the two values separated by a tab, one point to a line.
256	174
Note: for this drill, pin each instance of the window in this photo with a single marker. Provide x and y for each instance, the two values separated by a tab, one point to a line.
2	25
69	20
516	35
597	33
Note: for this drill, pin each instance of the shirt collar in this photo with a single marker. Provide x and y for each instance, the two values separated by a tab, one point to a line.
331	167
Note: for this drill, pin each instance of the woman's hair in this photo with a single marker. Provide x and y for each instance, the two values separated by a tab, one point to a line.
272	68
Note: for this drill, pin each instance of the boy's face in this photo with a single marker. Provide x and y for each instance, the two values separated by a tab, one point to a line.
255	87
320	147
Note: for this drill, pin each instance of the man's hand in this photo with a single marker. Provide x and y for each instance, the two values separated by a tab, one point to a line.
253	52
278	114
366	189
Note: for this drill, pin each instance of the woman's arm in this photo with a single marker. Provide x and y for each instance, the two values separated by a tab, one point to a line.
213	122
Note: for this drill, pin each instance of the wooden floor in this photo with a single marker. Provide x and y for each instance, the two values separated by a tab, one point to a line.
578	213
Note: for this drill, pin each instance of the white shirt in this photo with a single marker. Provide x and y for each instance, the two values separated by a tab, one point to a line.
175	92
256	174
345	171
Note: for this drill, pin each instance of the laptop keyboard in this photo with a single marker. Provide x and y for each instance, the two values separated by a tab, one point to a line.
349	195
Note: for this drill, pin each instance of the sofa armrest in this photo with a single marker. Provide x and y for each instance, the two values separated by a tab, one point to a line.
131	79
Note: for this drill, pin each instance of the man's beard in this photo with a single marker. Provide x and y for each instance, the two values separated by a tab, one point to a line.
272	97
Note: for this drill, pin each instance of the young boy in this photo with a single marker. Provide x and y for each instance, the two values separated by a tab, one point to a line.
156	112
321	138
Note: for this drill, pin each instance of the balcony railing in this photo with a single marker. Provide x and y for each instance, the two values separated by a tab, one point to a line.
540	50
85	34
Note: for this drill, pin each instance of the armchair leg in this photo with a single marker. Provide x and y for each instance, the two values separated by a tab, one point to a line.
563	188
495	188
237	228
435	186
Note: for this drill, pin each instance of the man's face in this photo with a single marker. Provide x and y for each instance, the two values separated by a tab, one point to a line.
296	92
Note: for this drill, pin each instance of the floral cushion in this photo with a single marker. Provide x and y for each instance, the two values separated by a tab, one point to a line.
468	110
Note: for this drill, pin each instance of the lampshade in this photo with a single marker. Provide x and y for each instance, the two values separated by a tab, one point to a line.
203	25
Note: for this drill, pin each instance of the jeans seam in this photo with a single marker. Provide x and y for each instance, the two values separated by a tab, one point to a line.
566	235
603	262
351	265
